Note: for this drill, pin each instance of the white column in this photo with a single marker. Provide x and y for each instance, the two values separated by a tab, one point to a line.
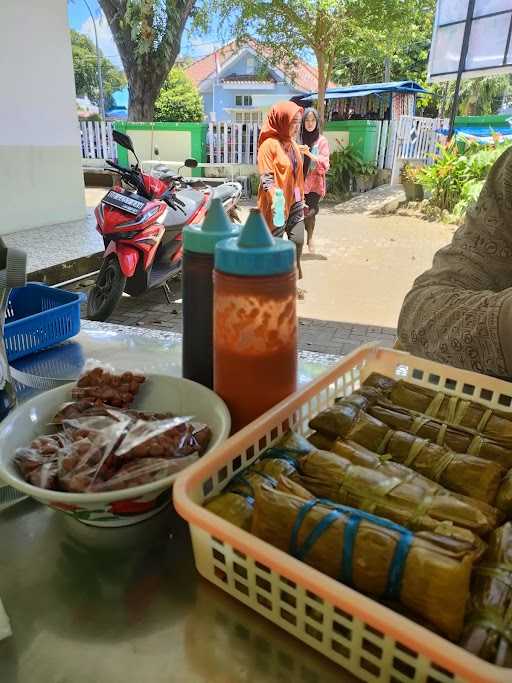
41	179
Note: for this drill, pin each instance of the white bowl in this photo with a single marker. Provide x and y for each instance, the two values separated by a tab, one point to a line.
160	394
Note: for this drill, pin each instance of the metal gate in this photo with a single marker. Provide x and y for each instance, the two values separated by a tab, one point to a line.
416	141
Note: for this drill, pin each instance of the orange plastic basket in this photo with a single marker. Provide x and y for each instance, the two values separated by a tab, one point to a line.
371	641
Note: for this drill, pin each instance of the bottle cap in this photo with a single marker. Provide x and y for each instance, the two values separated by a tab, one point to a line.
255	252
215	227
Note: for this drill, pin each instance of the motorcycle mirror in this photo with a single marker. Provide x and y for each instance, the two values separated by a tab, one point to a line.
191	163
156	151
123	140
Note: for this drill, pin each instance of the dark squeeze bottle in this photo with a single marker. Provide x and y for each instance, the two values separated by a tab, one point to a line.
198	260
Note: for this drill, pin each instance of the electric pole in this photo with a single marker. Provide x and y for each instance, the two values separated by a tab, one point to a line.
98	65
387	69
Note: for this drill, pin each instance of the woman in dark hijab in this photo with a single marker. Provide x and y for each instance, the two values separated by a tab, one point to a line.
316	164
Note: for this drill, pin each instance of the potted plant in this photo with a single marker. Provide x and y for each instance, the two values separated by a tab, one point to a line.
344	164
410	178
364	178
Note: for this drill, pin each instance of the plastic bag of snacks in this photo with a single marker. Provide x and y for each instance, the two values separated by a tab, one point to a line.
103	447
104	453
100	382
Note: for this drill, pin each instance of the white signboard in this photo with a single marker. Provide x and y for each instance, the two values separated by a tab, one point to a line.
489	47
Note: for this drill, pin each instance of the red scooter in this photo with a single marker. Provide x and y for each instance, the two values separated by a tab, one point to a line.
141	222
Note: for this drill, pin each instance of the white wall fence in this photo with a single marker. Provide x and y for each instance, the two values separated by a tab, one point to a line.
411	138
415	141
386	139
96	140
233	143
237	143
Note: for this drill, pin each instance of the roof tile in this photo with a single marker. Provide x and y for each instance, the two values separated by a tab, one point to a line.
305	76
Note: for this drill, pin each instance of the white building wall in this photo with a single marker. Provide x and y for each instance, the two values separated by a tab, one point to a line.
41	179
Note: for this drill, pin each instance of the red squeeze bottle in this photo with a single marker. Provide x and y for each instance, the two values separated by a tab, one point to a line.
255	321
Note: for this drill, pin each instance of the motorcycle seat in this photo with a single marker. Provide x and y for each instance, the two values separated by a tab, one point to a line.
223	192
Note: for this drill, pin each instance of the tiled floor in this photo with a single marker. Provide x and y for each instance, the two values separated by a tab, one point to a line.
56	244
53	245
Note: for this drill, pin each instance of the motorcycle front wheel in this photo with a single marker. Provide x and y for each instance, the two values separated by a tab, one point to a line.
107	291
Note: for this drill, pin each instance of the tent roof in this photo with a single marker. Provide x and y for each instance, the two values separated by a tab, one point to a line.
369	89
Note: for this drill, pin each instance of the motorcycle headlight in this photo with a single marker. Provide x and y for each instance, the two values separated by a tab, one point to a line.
151	213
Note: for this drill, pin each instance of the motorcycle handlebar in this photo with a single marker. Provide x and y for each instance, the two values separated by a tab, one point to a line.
116	166
130	176
173	201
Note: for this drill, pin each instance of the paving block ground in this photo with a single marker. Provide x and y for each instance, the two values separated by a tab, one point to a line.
321	336
354	283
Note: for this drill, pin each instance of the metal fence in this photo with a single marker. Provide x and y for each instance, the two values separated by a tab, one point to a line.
416	141
237	143
96	140
233	143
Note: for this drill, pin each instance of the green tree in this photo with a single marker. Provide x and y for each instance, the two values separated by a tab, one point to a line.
478	96
86	71
290	29
148	37
179	99
481	96
404	43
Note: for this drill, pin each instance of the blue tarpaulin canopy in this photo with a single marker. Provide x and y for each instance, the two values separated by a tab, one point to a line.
353	93
365	89
484	136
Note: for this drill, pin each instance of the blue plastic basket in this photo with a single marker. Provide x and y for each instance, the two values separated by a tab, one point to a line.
38	317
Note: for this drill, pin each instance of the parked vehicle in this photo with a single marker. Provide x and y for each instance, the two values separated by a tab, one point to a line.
141	222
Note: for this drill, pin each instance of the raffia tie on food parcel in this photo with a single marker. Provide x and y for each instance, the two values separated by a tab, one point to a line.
475	446
369	499
502	571
240	481
490	619
457	408
353	520
419	444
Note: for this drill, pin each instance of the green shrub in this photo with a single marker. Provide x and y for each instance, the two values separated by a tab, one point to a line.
455	179
470	193
410	174
345	163
367	168
179	99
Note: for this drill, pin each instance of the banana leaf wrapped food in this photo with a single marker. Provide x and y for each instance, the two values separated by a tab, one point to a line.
236	503
292	487
475	515
495	424
332	477
468	513
465	474
488	629
458	439
427	573
233	507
